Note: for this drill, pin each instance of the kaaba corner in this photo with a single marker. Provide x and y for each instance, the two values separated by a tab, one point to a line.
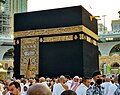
55	42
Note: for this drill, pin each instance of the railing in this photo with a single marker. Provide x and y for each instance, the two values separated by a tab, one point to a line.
108	33
8	59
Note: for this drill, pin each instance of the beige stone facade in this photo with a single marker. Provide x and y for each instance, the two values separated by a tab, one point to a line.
112	61
6	64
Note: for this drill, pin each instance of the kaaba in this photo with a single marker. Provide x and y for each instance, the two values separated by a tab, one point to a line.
56	42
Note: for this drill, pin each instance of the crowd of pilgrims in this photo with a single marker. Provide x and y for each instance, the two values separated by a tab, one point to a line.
96	85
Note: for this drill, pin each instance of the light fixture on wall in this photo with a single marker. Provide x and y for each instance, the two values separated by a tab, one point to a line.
94	17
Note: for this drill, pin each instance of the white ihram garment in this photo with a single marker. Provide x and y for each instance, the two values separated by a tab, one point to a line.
81	90
112	88
57	89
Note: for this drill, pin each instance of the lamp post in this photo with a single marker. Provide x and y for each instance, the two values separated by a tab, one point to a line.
104	21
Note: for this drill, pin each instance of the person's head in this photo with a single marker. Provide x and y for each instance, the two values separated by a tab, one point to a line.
42	79
68	92
76	79
14	88
67	77
104	78
62	79
107	79
97	77
23	81
37	80
39	89
115	80
48	79
57	81
86	81
25	87
80	79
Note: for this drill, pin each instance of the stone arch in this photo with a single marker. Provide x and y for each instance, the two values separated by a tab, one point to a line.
106	47
115	50
10	68
3	50
8	53
115	64
114	67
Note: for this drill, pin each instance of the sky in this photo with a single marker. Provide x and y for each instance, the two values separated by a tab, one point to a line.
109	8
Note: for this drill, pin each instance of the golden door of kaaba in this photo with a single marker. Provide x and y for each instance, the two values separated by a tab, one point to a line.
29	54
55	42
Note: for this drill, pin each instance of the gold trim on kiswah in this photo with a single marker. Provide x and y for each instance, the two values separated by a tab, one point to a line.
88	39
60	30
69	38
58	38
